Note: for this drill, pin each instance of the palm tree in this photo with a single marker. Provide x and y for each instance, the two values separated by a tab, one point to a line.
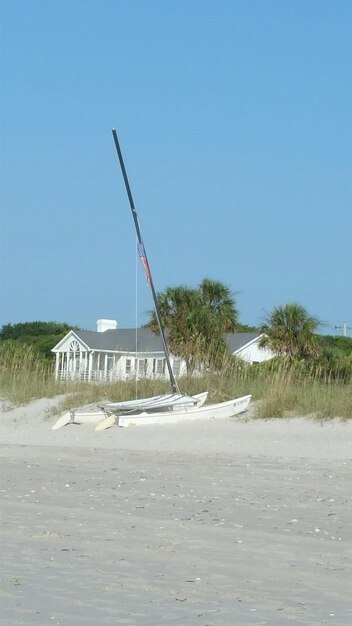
218	300
290	331
196	320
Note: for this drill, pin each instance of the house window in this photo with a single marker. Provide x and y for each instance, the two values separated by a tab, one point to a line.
176	367
74	356
159	366
128	366
142	367
110	362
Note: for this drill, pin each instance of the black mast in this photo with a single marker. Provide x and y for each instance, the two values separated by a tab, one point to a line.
144	258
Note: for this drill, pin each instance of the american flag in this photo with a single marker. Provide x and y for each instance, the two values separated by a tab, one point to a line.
144	261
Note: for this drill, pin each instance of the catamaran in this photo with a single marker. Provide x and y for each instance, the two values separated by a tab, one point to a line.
162	409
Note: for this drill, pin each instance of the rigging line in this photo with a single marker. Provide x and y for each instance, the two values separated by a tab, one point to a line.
136	324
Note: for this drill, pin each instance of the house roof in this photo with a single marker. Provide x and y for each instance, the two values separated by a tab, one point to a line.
143	340
236	341
122	340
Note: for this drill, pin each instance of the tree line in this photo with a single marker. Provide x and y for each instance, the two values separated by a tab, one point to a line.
42	336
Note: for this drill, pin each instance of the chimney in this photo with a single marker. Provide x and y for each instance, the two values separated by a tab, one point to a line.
103	325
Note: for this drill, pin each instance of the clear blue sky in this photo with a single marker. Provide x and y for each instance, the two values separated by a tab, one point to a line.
234	118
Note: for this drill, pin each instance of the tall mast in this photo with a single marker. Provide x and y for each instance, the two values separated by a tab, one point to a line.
144	259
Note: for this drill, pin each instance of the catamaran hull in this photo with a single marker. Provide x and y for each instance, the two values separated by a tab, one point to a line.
109	411
84	417
227	409
211	411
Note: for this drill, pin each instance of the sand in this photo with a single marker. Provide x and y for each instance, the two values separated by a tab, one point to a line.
215	523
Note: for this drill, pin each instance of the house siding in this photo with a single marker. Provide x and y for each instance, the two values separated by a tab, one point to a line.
123	354
253	353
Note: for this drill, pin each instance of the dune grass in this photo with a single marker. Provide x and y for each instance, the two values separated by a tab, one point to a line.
281	389
25	376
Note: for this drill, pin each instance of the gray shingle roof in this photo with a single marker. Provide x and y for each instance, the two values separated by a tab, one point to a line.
124	340
235	341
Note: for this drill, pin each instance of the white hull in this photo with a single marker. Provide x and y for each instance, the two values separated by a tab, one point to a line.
179	413
211	411
165	404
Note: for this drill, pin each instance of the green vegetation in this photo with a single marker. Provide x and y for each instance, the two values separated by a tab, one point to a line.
25	374
32	329
282	387
291	331
196	320
300	387
41	336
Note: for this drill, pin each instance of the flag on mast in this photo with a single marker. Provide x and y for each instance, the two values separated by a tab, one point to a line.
144	261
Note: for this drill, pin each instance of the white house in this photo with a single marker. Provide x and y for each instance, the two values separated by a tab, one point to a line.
110	353
246	347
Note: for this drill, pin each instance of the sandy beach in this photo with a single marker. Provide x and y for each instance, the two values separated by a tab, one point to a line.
216	523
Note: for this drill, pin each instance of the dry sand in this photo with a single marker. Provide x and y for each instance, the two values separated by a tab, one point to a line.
216	523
